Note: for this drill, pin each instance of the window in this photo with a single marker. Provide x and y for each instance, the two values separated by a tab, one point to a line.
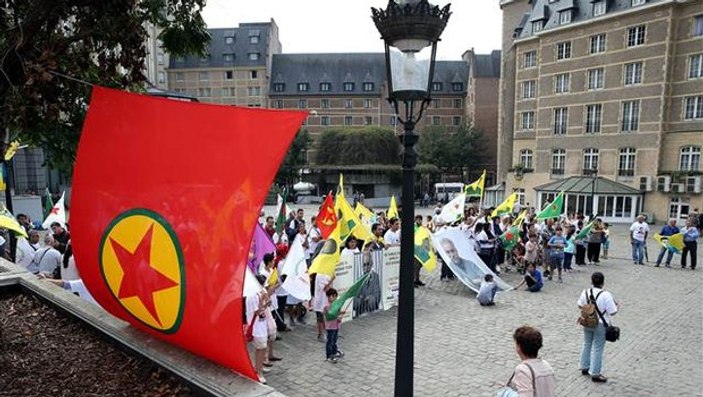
630	115
694	108
180	59
635	36
529	89
638	2
205	58
458	103
563	50
325	87
626	161
254	40
367	103
278	104
204	92
348	120
325	103
302	103
325	120
348	103
179	76
695	66
436	120
229	75
590	160
561	83
228	57
597	43
160	59
536	26
229	40
348	87
565	17
697	26
393	120
436	86
279	87
599	8
561	119
303	87
253	74
558	161
529	59
253	91
254	56
456	121
457	87
368	120
436	103
526	158
690	158
633	73
528	121
367	87
203	76
595	79
162	77
593	118
228	92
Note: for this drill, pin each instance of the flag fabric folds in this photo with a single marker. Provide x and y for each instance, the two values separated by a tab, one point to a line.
351	293
475	189
48	202
392	209
423	249
273	278
673	243
510	238
282	211
165	246
553	209
348	222
327	217
56	214
11	150
9	222
328	258
506	207
261	244
454	210
583	233
520	218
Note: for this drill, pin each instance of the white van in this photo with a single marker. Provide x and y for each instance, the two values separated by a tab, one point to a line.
447	191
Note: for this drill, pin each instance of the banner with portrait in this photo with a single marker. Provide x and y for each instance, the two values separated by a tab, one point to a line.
344	278
391	277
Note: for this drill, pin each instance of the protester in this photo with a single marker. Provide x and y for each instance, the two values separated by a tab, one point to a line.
323	283
26	248
533	377
332	327
487	292
270	228
533	279
690	237
350	247
638	238
594	338
392	236
606	240
556	246
61	237
377	242
257	305
487	242
595	238
667	231
570	248
47	260
25	222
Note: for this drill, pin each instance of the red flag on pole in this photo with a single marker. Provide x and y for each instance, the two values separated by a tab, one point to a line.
327	217
165	198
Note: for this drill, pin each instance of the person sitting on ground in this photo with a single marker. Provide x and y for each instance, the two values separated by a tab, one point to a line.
533	377
533	279
487	292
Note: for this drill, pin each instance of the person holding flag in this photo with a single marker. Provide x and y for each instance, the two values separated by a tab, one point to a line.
334	311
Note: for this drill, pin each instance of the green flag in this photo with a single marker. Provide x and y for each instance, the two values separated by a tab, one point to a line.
553	209
281	216
350	293
48	203
510	238
584	232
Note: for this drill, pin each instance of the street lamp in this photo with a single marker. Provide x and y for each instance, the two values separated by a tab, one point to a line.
410	30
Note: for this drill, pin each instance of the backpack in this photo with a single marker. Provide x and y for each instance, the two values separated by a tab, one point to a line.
589	311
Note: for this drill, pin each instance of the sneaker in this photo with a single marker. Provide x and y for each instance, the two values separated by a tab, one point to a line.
262	380
657	265
599	379
668	265
560	280
321	339
265	370
333	360
419	283
549	278
339	354
584	371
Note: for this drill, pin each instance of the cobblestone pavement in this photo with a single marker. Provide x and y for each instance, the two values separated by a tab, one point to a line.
463	349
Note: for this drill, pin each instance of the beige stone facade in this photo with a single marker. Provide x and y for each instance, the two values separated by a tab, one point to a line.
613	94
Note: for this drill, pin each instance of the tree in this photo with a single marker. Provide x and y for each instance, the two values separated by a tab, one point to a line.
354	146
98	41
452	152
295	159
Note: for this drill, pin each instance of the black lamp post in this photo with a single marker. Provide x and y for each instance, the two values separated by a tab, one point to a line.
409	29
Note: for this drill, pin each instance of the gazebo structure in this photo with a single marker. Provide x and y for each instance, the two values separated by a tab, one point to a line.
611	201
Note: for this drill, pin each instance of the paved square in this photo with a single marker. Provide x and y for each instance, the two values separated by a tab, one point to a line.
463	349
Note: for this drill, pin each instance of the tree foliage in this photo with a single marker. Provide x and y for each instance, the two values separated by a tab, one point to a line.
98	41
350	146
295	159
451	151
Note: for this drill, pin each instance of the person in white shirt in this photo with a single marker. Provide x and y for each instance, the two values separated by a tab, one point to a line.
350	247
314	235
46	259
594	338
392	236
638	238
26	248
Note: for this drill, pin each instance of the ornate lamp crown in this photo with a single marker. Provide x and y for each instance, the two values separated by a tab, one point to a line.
411	20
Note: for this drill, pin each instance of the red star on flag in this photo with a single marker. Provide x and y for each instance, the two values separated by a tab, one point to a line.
54	211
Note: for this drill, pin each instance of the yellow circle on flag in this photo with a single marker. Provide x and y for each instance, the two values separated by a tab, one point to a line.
141	262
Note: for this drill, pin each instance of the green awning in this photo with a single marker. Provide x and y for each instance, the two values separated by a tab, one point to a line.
585	185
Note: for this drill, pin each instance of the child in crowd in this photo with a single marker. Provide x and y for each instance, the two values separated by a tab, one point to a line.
606	240
533	279
570	248
556	246
487	292
531	251
323	283
332	327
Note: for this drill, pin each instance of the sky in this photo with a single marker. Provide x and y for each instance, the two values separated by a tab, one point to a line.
309	26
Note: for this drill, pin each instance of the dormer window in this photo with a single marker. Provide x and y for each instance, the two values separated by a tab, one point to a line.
564	17
599	8
303	87
228	57
279	87
254	56
536	26
457	87
325	87
436	86
229	40
348	87
368	87
638	2
254	40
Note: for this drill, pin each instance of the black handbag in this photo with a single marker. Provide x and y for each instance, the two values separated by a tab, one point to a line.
612	333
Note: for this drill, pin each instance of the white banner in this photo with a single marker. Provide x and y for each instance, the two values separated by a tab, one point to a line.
343	280
390	277
458	253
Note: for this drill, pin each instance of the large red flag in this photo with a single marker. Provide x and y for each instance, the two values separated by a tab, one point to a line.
165	198
327	217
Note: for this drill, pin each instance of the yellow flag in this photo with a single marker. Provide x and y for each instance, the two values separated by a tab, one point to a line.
8	221
392	209
361	210
520	219
475	189
328	258
273	278
11	150
340	188
2	177
348	222
423	249
506	206
673	243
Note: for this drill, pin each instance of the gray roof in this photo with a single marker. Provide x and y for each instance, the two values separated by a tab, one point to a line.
219	50
585	185
582	10
487	65
357	68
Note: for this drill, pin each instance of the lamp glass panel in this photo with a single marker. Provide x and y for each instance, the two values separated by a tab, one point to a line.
410	70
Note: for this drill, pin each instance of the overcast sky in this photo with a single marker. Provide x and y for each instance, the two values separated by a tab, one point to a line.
346	26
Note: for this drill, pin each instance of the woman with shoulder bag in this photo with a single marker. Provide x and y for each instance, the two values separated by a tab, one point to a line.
533	377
